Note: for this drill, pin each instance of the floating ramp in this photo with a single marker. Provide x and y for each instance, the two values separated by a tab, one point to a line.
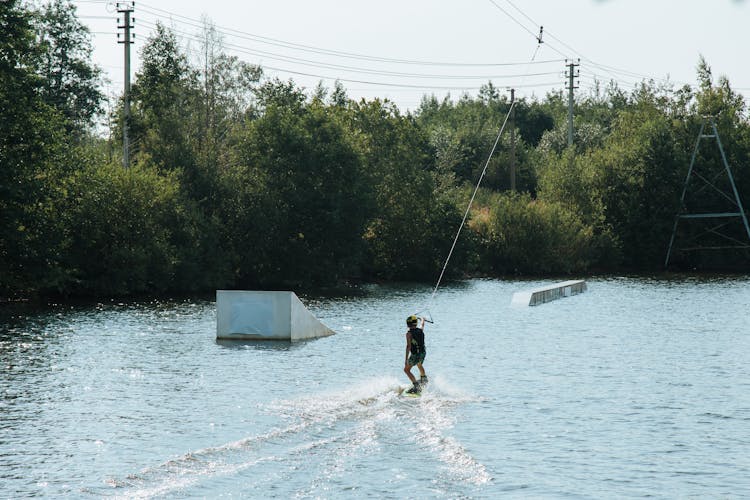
263	315
548	293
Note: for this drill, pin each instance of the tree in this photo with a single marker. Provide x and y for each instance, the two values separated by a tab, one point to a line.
521	235
628	187
532	121
313	212
412	223
227	89
279	94
71	83
338	96
124	223
641	167
586	136
474	124
728	111
163	102
34	152
488	93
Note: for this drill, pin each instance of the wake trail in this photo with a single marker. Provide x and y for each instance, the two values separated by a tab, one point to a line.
326	432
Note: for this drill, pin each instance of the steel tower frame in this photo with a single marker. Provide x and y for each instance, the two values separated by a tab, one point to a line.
683	214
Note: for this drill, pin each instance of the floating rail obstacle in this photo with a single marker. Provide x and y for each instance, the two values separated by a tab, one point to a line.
263	315
548	293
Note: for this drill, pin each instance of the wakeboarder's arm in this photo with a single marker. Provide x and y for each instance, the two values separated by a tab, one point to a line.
408	346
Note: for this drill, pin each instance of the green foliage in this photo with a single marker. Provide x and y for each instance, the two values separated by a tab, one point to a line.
239	182
163	100
642	165
411	223
70	83
313	207
121	225
586	136
275	93
474	125
520	235
628	182
33	156
463	135
627	190
34	153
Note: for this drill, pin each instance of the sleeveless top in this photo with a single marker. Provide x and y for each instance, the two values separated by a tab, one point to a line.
417	341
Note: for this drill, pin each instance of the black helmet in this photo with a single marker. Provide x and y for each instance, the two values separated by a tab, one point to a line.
412	320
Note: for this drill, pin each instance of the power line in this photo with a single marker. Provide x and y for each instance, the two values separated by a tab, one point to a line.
609	69
355	69
401	85
522	12
418	87
463	81
159	15
317	50
519	23
352	69
524	27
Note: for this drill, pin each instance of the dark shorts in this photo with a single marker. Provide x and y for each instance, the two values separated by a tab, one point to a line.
416	358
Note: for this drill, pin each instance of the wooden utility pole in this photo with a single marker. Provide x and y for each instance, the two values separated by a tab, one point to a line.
126	8
571	75
512	139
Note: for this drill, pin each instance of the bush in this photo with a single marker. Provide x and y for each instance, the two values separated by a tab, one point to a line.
121	223
521	235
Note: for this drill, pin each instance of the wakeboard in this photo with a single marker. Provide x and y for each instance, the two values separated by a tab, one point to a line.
403	391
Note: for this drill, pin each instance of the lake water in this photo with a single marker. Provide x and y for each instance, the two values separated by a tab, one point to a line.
638	387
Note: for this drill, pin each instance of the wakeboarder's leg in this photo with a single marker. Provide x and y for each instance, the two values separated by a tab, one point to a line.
407	370
422	375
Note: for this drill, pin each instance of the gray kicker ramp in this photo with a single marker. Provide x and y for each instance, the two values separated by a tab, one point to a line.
264	315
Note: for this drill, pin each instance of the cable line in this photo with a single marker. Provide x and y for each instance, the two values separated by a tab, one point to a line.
355	69
537	37
513	18
244	50
471	202
481	176
309	48
608	69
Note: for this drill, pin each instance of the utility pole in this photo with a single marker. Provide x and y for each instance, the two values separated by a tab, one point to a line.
126	8
512	139
572	73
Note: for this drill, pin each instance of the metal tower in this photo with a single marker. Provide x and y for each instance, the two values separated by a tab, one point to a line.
701	204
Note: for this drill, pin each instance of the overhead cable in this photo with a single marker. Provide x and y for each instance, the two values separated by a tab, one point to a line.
309	48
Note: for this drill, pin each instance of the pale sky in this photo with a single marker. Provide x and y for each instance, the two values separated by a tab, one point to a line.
403	49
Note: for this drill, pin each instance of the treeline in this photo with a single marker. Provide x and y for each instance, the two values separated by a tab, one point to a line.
241	181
